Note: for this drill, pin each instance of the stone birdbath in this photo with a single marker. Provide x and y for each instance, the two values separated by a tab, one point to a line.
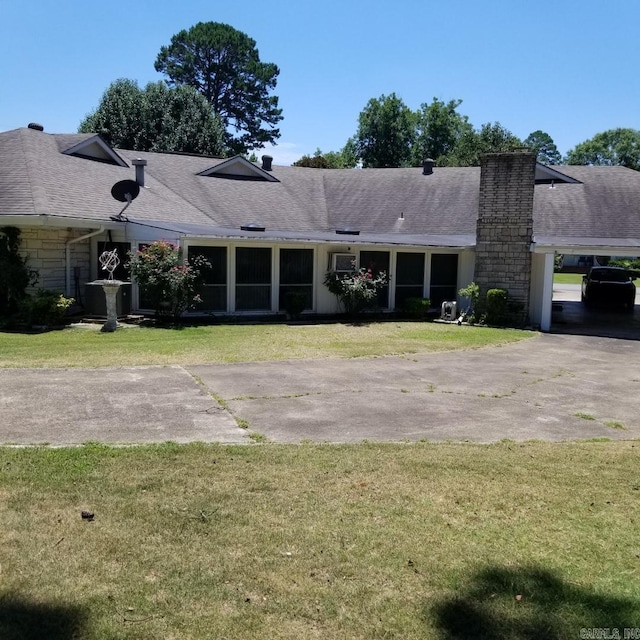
108	262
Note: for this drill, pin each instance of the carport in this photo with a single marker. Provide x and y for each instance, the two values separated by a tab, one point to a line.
559	307
581	211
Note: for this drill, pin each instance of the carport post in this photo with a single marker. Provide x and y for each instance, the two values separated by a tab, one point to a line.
547	292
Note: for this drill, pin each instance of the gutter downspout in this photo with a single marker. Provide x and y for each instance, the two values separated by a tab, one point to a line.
67	249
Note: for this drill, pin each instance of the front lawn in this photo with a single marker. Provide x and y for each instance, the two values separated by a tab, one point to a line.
88	347
567	278
499	541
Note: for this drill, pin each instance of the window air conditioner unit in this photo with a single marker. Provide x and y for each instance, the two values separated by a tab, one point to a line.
343	262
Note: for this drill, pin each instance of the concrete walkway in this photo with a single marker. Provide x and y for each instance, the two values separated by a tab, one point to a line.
551	387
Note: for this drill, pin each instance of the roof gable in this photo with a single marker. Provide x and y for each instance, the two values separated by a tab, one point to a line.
548	175
239	168
95	148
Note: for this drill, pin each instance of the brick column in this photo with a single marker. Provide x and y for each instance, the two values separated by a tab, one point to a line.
505	225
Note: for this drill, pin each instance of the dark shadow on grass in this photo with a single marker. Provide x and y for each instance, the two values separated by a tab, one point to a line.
21	619
529	603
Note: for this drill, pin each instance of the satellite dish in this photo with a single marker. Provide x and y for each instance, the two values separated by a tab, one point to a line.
124	188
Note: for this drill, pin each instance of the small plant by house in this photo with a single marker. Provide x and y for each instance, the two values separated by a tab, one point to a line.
416	308
168	284
45	308
472	293
295	303
356	290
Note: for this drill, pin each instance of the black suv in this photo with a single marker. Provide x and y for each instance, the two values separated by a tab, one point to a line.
610	286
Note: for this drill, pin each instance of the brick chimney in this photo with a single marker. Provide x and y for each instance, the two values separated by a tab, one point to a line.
505	225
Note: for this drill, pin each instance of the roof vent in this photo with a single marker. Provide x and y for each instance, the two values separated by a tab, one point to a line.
427	166
266	162
347	231
139	164
35	126
252	226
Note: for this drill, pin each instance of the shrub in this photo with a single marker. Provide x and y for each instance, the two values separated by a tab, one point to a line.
48	308
497	307
295	303
626	263
356	290
15	275
165	281
472	293
416	307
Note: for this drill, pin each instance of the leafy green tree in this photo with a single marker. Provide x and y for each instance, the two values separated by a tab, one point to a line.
490	138
224	65
156	118
386	133
439	129
346	158
316	161
612	147
543	146
119	116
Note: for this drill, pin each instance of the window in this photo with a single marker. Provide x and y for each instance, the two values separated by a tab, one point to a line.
377	261
214	290
444	278
409	277
253	279
296	275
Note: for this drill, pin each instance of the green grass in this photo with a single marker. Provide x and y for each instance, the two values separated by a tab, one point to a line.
584	416
82	347
567	278
575	278
503	541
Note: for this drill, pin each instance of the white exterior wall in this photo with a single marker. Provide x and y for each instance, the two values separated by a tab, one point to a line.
45	250
541	293
466	268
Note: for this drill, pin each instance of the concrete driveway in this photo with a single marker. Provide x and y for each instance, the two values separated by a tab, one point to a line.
550	387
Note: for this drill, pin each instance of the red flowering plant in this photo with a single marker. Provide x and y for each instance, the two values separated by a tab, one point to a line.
166	283
357	289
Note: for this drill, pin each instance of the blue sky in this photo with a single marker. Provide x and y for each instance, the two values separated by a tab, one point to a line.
568	67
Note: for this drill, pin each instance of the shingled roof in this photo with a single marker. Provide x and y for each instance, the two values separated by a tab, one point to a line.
39	178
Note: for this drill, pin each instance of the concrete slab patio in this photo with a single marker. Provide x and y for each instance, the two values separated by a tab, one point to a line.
551	387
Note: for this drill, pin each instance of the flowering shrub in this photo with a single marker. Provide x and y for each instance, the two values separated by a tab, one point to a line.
356	290
164	280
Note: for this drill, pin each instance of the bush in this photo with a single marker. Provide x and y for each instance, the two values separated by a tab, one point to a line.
626	263
46	308
169	285
295	303
497	308
416	307
15	275
356	290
